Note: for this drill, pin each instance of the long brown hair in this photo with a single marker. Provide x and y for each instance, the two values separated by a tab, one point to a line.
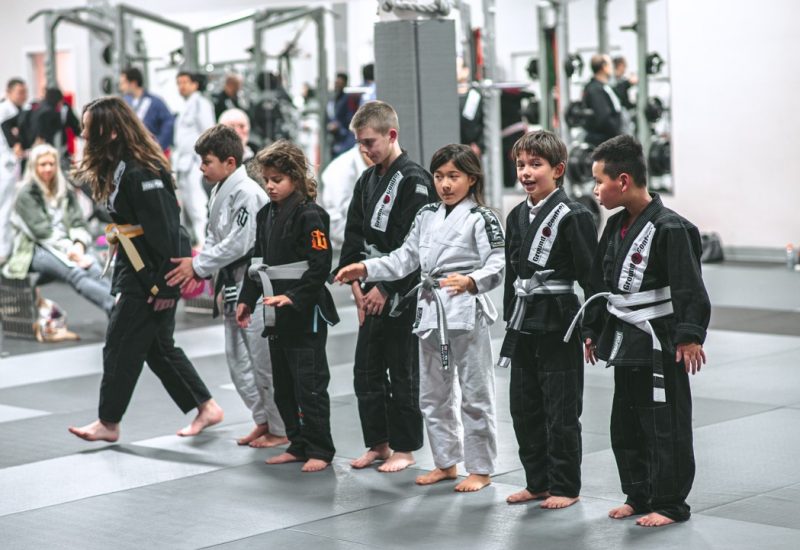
289	159
116	133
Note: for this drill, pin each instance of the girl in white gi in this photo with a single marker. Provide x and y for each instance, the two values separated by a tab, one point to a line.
458	244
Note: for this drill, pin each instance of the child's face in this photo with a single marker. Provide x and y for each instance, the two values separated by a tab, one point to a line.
607	190
216	170
537	175
452	184
279	185
46	168
376	146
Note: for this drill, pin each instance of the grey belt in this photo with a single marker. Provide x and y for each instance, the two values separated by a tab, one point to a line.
259	271
539	284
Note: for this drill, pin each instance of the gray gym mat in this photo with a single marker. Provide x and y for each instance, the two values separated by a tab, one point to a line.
780	508
289	538
10	414
726	286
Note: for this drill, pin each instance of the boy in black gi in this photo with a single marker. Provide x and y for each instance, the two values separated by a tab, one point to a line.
291	261
648	267
385	201
550	241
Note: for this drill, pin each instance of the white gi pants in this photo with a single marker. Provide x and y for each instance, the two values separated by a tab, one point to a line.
8	186
472	437
194	200
250	366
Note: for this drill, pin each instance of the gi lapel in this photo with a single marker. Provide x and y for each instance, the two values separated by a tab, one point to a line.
541	234
217	195
632	264
382	195
276	225
444	226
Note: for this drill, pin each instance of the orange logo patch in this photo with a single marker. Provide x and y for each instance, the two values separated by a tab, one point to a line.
318	240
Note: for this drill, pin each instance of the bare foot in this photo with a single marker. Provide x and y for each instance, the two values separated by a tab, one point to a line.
208	414
556	502
397	462
436	475
258	431
620	512
654	519
525	495
283	458
314	465
97	431
378	452
473	482
269	440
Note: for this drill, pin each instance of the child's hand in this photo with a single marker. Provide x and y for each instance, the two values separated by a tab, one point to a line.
243	315
277	301
455	283
589	351
374	301
351	273
190	285
692	356
182	272
358	296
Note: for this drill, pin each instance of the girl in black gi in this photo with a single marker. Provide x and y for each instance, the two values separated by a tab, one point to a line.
292	229
127	170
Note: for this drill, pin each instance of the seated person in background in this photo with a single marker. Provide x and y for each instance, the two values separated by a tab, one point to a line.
50	234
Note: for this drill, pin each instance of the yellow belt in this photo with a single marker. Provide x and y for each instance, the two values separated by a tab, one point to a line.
122	234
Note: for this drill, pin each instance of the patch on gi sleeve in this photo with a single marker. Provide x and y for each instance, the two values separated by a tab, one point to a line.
422	190
242	216
494	231
152	184
318	240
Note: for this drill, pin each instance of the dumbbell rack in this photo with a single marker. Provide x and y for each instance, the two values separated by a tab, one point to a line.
18	307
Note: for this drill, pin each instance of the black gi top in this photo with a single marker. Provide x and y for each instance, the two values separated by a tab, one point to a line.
142	198
402	190
605	122
673	260
570	257
294	231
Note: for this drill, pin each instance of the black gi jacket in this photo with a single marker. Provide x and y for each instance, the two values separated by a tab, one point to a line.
605	122
293	231
142	198
570	258
404	189
674	261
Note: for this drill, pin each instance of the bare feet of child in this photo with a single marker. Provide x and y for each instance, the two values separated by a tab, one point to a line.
314	465
525	495
436	475
208	414
378	452
397	462
621	512
654	519
473	482
258	431
97	431
556	502
283	458
269	440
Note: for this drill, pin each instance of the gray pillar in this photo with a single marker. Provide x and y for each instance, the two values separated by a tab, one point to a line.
493	155
602	26
544	14
322	90
340	56
642	126
562	52
50	23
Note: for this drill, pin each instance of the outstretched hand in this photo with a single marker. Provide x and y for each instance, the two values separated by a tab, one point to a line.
590	351
182	273
277	301
351	273
692	356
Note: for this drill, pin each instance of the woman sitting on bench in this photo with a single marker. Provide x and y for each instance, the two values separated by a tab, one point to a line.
50	233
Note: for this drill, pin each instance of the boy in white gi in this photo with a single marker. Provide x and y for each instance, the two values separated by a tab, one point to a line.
459	246
233	205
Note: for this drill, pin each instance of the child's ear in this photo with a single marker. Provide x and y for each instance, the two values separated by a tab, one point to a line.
561	167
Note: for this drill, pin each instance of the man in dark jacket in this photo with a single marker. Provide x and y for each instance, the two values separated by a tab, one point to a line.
605	121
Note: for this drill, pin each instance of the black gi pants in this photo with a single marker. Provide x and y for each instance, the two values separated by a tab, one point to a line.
136	334
386	381
652	442
300	376
546	405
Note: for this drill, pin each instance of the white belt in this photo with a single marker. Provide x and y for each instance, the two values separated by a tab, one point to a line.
259	271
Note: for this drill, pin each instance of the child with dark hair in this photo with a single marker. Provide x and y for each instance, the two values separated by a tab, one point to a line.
291	261
549	246
225	257
648	268
458	245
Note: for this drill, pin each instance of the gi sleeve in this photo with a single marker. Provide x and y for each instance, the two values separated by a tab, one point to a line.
353	245
596	314
315	247
165	123
251	289
490	241
513	242
33	215
77	227
205	115
682	247
401	262
236	244
582	237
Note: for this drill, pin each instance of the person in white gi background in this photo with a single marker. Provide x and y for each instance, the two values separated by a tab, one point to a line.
196	117
338	181
459	245
10	154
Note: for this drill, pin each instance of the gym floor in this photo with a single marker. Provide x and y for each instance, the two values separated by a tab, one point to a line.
156	490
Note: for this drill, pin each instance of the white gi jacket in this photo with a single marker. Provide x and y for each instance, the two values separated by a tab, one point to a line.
196	117
231	232
469	237
338	182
